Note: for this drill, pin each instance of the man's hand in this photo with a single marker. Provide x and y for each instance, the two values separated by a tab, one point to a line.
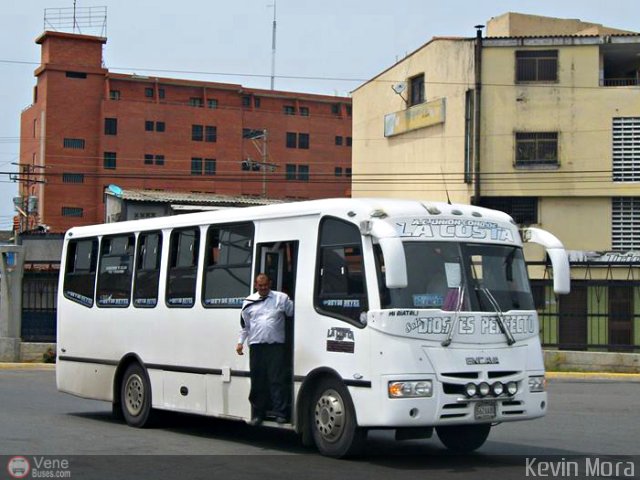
239	349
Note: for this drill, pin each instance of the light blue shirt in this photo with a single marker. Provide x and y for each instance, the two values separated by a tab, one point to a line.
264	319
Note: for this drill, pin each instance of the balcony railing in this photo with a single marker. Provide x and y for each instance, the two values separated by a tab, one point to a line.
619	82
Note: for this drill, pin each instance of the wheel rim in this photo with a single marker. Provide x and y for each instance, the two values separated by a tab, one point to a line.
329	414
134	394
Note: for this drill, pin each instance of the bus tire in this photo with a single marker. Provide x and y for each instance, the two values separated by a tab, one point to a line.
135	396
333	422
463	438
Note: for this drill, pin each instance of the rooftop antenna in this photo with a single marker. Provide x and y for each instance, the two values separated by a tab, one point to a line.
75	23
273	45
446	189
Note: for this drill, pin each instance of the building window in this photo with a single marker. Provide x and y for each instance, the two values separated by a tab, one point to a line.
75	143
73	178
335	109
160	126
148	125
536	66
197	133
76	74
304	111
625	223
109	160
252	133
212	103
416	85
161	93
338	171
110	126
72	211
523	210
626	149
246	101
148	92
347	172
348	107
159	160
196	166
536	148
338	140
303	173
148	159
349	141
209	166
303	140
292	140
114	94
196	102
290	171
289	110
210	133
256	102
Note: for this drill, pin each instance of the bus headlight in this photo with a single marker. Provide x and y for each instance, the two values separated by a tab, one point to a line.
410	389
537	384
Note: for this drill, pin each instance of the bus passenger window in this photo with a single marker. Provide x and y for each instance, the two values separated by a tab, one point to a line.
227	272
80	271
340	284
183	264
114	275
147	276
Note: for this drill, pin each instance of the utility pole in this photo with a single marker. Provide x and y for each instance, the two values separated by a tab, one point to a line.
26	205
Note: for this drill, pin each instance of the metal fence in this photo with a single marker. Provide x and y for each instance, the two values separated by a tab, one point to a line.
599	315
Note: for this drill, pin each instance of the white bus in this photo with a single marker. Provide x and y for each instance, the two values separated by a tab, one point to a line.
409	315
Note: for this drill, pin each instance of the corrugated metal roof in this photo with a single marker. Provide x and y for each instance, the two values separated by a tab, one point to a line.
191	198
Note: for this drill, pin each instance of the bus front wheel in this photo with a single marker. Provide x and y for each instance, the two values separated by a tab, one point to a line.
463	438
135	396
333	422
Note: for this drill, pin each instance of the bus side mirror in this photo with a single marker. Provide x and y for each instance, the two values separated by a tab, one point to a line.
557	255
395	261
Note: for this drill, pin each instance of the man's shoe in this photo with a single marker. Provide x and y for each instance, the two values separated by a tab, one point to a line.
281	420
255	421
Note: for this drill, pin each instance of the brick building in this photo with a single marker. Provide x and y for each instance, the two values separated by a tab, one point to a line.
88	128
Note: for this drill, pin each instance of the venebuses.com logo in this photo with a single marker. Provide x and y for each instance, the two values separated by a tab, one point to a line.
18	467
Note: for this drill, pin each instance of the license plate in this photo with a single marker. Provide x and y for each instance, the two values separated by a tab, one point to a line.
485	411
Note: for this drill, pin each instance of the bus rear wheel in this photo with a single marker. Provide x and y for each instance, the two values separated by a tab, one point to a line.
333	422
463	438
135	396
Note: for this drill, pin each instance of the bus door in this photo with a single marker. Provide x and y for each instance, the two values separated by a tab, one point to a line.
279	261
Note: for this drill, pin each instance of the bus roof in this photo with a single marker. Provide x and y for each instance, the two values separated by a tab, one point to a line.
353	209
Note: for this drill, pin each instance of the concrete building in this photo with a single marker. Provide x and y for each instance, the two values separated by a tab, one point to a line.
540	118
89	128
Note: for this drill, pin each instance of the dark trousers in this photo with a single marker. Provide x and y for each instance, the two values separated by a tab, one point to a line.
268	379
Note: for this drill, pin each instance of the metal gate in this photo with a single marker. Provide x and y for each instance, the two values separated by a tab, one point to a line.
39	291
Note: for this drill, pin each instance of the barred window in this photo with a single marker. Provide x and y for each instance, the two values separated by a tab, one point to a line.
73	178
536	66
536	148
76	143
523	210
72	211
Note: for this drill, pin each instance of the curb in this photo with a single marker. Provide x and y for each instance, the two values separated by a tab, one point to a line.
625	377
27	366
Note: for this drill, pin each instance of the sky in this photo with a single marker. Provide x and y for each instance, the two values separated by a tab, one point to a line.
322	46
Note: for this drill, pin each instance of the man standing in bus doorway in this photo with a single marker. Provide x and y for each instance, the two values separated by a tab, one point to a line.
263	326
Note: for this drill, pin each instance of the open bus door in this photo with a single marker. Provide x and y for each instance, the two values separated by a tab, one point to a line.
279	261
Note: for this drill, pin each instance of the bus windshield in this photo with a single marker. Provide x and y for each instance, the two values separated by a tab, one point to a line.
460	276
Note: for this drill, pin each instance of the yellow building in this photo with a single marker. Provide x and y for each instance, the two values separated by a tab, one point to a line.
540	118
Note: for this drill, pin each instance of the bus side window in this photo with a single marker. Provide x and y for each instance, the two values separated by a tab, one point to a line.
227	272
183	265
340	279
80	271
114	273
147	275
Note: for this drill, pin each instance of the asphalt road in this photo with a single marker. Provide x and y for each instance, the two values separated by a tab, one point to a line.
585	418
